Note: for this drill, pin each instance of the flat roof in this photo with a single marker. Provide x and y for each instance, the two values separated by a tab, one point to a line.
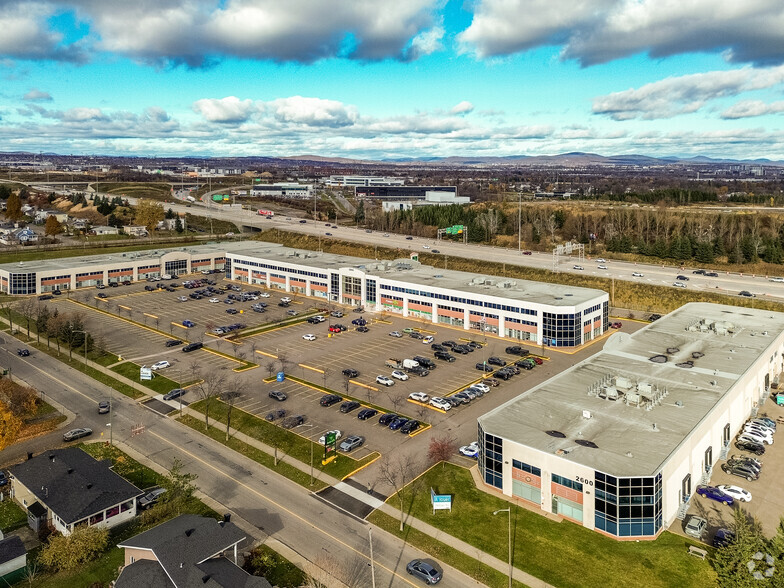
640	410
406	270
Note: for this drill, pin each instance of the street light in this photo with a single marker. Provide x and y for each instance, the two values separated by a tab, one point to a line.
372	566
509	511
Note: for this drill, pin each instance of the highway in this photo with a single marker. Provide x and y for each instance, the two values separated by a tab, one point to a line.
273	505
658	275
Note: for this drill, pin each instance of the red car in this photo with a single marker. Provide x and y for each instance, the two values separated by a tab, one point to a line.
616	325
527	253
334	329
538	360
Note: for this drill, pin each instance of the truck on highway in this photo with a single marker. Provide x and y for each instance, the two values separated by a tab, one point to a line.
267	213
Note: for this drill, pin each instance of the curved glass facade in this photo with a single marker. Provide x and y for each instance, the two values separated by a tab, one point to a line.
628	507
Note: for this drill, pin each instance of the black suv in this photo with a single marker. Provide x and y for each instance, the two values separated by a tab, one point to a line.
743	470
756	448
483	367
386	419
350	373
330	399
349	406
173	343
444	356
449	344
424	362
461	349
437	347
516	350
493	360
193	346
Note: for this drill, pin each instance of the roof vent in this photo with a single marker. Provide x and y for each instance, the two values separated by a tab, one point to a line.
586	443
556	434
89	485
655	428
587	414
629	454
70	470
51	456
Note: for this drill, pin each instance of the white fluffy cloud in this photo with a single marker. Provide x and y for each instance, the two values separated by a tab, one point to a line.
463	107
684	94
36	95
750	108
312	112
27	35
598	31
224	110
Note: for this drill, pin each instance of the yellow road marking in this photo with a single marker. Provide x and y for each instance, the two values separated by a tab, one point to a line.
150	315
307	367
179	325
267	354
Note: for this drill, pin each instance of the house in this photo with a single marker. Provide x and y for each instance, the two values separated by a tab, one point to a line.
101	230
23	236
13	555
135	230
79	223
66	488
187	551
41	216
170	224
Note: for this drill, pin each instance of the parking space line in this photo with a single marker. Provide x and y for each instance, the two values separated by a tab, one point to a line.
267	354
360	468
307	367
179	325
420	430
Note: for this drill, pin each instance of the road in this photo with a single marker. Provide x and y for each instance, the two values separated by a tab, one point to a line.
658	275
272	504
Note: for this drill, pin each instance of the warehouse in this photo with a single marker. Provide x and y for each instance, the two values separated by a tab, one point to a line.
619	442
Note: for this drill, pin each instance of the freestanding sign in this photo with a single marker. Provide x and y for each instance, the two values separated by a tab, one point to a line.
145	373
440	501
330	447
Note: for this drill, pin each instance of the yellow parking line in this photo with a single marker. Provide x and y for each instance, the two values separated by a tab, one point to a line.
307	367
368	386
267	354
360	468
419	430
150	315
179	325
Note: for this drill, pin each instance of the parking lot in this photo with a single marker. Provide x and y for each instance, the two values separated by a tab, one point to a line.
767	503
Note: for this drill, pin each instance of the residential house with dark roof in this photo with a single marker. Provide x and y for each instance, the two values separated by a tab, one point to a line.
13	555
187	551
67	488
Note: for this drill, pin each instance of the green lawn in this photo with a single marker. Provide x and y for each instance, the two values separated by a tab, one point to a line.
12	516
277	569
137	474
218	433
562	554
159	383
290	443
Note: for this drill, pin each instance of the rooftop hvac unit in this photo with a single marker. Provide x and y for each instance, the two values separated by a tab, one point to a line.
623	383
587	414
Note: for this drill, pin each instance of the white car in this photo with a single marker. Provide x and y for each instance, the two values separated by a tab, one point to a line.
577	267
637	275
756	437
385	381
440	403
425	246
604	267
398	375
601	260
759	432
323	438
309	337
470	450
736	492
215	300
160	365
482	387
182	298
679	284
776	280
396	334
427	340
419	397
264	295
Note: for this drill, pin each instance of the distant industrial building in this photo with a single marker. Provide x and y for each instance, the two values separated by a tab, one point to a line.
362	181
406	197
287	190
619	442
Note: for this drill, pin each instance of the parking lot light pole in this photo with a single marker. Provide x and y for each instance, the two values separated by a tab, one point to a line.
372	566
509	511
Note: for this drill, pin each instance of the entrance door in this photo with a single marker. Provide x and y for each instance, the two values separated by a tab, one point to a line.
726	437
708	458
686	487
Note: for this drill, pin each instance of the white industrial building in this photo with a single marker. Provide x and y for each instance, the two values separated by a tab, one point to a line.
287	189
354	181
619	442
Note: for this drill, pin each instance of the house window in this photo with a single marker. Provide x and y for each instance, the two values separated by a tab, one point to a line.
112	512
95	519
126	506
133	559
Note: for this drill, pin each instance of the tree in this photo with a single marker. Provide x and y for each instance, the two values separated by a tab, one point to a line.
20	400
53	226
71	551
441	448
397	472
179	485
208	388
27	310
178	225
359	215
731	562
327	571
148	214
13	208
113	221
10	425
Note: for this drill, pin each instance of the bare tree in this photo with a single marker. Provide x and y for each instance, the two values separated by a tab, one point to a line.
31	572
270	365
211	385
230	398
441	448
27	310
326	374
396	401
397	472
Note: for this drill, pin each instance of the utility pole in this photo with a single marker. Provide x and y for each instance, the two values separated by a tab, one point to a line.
372	566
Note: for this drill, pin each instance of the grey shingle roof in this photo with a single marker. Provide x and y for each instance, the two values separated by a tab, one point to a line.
11	548
182	545
73	484
145	573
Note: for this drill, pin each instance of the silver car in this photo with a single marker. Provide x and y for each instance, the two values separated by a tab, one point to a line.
696	527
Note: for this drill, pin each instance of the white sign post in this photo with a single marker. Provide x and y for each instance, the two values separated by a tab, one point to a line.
440	501
145	373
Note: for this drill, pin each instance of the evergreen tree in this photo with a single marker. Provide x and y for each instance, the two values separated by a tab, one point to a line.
731	562
359	215
178	225
704	252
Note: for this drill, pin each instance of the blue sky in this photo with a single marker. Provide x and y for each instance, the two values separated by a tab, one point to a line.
382	79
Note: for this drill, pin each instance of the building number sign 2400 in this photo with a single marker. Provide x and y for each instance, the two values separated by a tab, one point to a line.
583	481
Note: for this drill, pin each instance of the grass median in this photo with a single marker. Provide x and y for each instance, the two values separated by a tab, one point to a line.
160	384
287	442
563	554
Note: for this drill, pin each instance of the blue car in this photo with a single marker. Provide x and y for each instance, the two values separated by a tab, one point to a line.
716	494
188	324
397	423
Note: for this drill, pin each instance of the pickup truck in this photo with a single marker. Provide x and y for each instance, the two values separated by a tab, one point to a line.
394	363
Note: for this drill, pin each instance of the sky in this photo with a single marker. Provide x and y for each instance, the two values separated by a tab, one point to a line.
391	79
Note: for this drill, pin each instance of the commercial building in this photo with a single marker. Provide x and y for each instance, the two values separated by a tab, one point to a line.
619	442
405	192
551	314
288	190
362	181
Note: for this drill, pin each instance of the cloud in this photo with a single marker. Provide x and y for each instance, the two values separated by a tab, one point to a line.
599	31
312	112
750	108
27	36
685	94
463	107
200	32
224	110
35	95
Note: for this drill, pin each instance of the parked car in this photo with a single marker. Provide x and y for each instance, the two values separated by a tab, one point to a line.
175	393
736	492
160	365
749	445
480	386
494	360
189	324
275	414
409	427
151	498
278	395
102	295
740	469
723	537
395	334
462	396
385	381
516	350
348	406
74	434
366	413
424	571
763	422
350	373
330	399
470	450
484	367
428	340
616	325
397	423
696	527
293	421
387	418
103	407
444	356
323	438
400	375
714	493
351	443
3	479
309	337
23	352
440	403
173	343
193	346
419	397
424	362
362	329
